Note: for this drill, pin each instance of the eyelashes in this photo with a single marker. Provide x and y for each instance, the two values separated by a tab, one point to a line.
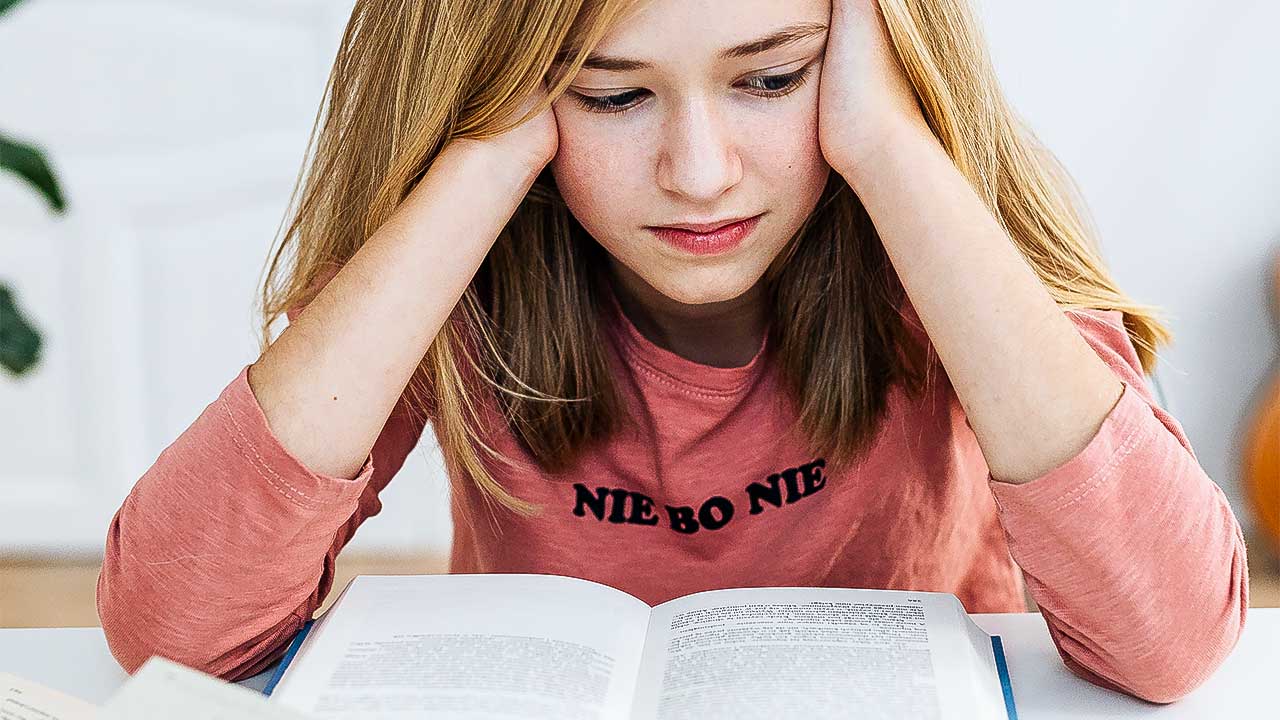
770	86
606	103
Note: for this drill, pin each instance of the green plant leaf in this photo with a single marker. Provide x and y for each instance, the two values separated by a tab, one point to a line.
19	341
28	163
6	4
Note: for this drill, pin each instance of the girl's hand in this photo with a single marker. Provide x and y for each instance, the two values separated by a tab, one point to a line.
528	147
537	140
864	95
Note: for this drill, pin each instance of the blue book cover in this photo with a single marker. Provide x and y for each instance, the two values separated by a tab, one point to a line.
1003	669
288	657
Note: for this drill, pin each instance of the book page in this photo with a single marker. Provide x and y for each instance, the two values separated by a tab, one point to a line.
764	653
470	646
26	700
163	690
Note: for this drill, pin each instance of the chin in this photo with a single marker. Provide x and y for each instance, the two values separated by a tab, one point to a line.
689	291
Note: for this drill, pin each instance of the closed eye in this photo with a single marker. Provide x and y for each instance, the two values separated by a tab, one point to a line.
769	86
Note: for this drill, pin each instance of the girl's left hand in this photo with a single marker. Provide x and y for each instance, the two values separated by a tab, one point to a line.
864	96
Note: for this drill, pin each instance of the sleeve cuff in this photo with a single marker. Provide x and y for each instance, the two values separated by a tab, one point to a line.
1122	431
287	475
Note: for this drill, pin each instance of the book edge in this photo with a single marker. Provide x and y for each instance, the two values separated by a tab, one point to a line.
287	658
1006	685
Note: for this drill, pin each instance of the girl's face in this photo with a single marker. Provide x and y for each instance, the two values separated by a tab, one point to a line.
665	125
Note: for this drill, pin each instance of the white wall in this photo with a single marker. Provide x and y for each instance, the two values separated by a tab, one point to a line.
177	127
1166	113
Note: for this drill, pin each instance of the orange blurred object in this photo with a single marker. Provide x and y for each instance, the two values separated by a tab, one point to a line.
1262	455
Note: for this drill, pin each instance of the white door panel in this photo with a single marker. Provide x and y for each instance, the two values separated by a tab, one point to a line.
177	129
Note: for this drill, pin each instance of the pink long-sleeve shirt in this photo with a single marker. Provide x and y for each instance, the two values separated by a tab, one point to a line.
226	546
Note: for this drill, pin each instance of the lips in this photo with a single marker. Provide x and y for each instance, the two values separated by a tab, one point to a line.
705	227
723	239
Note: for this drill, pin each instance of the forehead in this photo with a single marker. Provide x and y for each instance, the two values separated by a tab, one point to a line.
678	33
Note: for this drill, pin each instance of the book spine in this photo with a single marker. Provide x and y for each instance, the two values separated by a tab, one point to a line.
288	657
1002	667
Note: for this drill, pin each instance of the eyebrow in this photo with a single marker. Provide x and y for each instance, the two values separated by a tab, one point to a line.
782	37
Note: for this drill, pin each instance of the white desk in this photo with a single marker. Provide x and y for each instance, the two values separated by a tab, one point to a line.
76	661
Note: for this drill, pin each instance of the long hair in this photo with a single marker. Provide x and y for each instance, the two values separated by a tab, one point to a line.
527	335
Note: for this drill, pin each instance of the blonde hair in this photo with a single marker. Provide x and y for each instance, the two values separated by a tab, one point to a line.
527	332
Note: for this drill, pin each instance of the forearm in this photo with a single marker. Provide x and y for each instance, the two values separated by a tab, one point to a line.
329	382
1031	388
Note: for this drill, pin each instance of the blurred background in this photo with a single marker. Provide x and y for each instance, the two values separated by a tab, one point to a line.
175	130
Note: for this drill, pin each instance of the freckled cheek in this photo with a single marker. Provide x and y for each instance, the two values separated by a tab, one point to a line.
597	174
787	148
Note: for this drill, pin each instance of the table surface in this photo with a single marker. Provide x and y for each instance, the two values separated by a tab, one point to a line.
77	661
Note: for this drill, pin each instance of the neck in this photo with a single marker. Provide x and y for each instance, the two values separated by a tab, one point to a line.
724	334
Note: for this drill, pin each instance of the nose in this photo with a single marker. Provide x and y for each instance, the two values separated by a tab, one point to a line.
699	159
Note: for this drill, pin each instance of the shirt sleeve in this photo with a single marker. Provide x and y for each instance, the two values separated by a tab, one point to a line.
226	545
1131	551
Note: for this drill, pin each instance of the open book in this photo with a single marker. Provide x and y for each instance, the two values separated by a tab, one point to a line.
546	646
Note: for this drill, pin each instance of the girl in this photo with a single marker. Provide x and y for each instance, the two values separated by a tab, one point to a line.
694	294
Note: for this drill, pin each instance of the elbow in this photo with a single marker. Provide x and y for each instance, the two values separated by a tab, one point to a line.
137	615
1199	629
1178	679
138	626
1193	657
1190	644
135	630
132	641
1182	672
121	627
125	647
130	638
1167	673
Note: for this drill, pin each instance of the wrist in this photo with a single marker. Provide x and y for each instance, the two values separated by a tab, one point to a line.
494	163
875	157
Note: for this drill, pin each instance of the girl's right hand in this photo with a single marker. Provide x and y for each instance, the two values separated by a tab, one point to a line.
526	148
